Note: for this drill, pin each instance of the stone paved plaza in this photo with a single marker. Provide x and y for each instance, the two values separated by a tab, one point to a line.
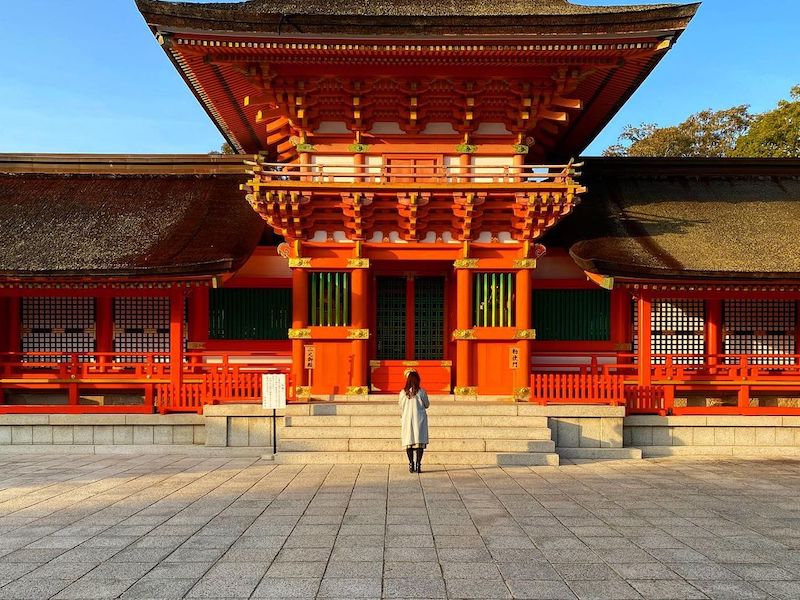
109	526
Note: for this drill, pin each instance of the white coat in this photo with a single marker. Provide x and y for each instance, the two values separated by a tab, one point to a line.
414	418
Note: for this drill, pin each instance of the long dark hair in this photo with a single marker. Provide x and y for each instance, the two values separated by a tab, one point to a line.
412	384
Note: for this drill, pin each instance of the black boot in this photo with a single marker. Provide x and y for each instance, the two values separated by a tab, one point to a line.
410	453
418	468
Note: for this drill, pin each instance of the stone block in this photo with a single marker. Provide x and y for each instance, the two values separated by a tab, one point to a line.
238	434
784	436
103	435
611	432
123	434
569	433
552	424
744	436
21	434
162	434
765	436
589	432
199	434
83	434
744	421
183	434
42	434
723	436
704	436
790	421
259	431
87	419
662	436
683	436
5	435
24	420
641	436
143	435
627	438
63	434
216	432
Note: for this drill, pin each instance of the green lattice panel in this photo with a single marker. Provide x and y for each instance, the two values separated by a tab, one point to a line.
390	325
250	313
429	318
572	315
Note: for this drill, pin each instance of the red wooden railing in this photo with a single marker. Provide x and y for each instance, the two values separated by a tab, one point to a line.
615	379
204	378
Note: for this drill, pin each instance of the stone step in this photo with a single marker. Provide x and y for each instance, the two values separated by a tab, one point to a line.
489	433
391	408
393	445
747	451
432	457
601	453
434	420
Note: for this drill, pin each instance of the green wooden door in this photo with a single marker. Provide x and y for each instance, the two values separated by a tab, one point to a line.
390	321
429	318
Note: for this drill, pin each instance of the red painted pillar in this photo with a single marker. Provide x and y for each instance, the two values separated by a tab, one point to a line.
523	322
620	318
176	342
360	303
14	321
463	323
299	321
713	329
198	314
644	334
104	328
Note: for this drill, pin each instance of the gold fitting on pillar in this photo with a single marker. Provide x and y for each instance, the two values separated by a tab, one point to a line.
300	334
465	391
299	263
303	391
465	263
522	394
357	390
525	334
357	334
464	334
358	263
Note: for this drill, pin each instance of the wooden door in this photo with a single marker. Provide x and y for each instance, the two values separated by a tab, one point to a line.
413	169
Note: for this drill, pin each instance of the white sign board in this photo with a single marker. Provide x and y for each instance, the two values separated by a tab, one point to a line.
273	390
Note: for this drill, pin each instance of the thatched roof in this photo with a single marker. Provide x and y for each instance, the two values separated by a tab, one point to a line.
116	216
369	18
691	218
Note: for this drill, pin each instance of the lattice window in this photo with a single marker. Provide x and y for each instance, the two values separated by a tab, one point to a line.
579	315
494	300
390	322
329	301
250	314
678	327
429	318
58	325
761	327
141	325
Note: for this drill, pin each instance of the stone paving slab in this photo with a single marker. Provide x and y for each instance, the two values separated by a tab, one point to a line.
175	526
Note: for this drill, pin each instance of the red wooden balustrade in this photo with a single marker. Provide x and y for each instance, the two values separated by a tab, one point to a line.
204	378
615	379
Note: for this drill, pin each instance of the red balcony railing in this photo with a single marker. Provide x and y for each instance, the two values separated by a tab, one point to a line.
205	378
744	383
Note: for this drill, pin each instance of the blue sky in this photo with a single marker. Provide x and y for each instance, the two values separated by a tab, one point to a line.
87	76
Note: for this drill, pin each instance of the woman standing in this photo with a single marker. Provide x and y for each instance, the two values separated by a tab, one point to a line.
414	433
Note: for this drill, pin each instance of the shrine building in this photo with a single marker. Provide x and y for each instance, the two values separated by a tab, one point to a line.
406	192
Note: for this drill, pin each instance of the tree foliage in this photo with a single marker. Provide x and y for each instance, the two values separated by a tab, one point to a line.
731	132
776	133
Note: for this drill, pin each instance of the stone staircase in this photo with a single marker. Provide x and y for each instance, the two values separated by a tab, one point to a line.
460	434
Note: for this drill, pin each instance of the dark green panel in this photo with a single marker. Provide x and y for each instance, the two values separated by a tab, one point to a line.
390	322
329	299
250	313
429	318
572	315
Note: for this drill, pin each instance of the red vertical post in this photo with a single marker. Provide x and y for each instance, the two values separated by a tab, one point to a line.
645	332
360	304
410	318
14	321
198	320
104	328
463	323
620	319
713	329
523	322
299	321
176	342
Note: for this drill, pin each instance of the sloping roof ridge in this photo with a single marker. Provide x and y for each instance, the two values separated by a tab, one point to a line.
406	8
126	164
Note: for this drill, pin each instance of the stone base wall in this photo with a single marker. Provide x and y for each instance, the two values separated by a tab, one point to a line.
102	430
734	435
239	426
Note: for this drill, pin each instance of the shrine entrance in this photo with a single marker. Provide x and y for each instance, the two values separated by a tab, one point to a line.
410	331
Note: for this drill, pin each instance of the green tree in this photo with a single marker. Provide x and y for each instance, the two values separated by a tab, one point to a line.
706	133
776	133
226	148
